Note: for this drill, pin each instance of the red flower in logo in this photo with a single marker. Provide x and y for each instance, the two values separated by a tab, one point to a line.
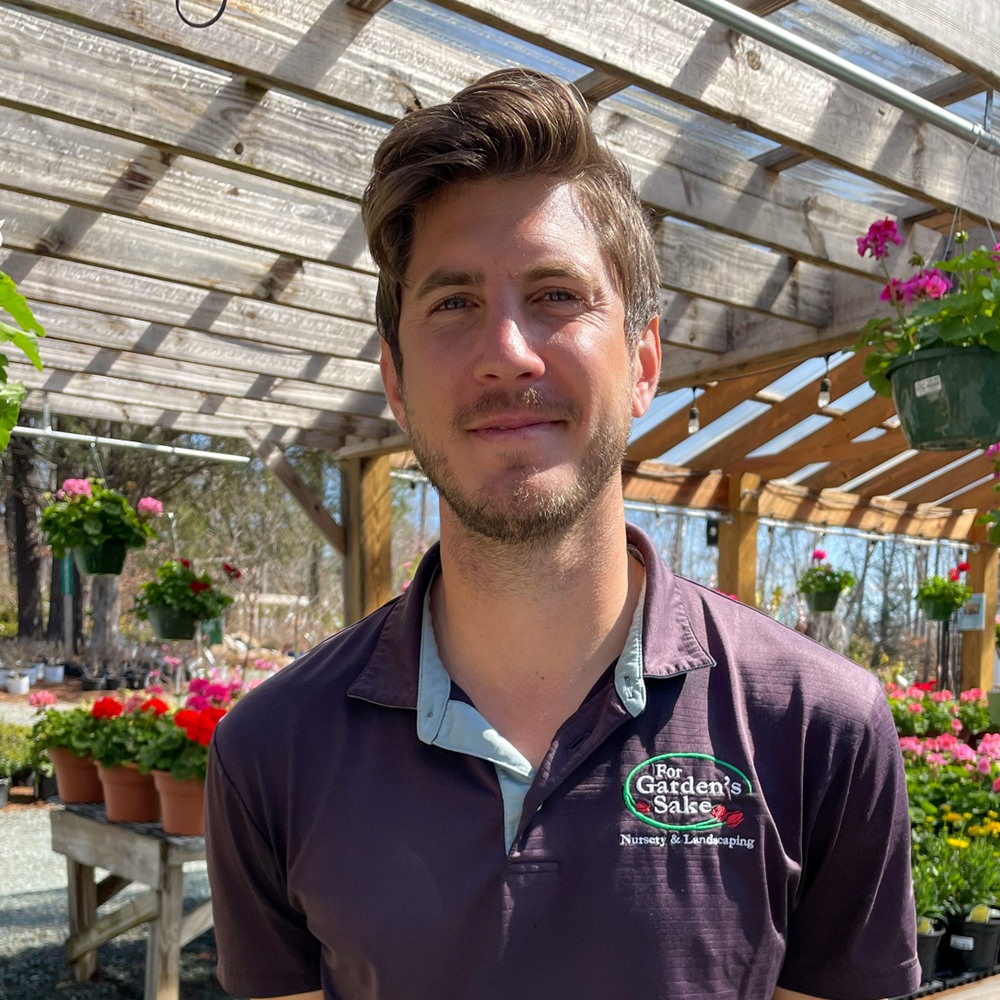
718	812
734	818
643	807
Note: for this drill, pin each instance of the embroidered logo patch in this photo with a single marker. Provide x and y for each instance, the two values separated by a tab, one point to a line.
687	791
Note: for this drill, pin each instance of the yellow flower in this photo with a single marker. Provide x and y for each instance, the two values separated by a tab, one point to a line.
952	817
960	842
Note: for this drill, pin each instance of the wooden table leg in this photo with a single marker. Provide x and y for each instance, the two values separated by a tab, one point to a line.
163	946
81	890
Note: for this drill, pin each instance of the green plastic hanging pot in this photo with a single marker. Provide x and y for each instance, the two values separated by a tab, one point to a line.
948	398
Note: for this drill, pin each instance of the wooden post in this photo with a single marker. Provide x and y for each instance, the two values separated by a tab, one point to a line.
978	648
81	893
366	504
738	540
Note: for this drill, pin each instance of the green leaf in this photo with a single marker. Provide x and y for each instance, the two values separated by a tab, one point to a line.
17	305
11	396
27	342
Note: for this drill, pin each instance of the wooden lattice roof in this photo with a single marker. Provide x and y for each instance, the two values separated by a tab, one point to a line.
181	209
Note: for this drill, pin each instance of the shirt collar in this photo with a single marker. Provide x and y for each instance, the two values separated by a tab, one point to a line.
668	642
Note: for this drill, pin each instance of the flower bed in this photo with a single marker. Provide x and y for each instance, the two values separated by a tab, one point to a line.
952	766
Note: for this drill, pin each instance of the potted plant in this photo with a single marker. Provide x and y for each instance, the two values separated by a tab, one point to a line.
179	597
940	597
821	583
15	757
930	896
66	737
177	756
938	355
97	525
123	731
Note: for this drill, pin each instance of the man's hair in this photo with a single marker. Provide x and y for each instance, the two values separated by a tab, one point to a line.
510	123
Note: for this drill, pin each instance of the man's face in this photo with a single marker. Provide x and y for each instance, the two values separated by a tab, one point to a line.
517	387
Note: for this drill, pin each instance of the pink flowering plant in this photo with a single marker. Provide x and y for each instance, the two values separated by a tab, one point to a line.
821	576
949	303
179	587
919	710
84	513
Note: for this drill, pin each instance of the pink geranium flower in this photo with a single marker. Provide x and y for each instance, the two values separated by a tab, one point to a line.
149	507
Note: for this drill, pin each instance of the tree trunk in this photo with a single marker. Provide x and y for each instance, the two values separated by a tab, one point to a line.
106	601
22	503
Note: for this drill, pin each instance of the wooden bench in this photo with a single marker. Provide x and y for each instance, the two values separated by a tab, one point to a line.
129	852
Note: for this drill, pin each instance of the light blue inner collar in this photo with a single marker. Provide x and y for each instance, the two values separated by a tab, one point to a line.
456	725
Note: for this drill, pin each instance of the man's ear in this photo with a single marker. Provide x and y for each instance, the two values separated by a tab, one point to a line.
393	386
647	367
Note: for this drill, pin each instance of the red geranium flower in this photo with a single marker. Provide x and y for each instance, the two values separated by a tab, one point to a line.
106	708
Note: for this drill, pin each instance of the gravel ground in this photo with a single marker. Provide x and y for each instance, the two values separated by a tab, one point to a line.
34	919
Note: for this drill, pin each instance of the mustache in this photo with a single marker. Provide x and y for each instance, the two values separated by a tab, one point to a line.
496	402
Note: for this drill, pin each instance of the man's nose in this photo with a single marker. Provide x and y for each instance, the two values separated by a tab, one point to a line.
508	349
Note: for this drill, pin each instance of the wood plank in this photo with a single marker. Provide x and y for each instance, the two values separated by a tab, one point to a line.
964	34
135	246
176	304
719	267
757	431
129	914
727	76
204	111
92	844
65	378
306	498
713	403
196	922
309	374
973	470
290	401
63	161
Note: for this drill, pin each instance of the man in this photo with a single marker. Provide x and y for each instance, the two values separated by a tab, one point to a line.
552	769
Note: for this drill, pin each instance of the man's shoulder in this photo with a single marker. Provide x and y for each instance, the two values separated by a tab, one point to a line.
771	659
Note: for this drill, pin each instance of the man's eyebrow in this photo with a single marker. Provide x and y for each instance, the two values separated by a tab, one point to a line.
446	278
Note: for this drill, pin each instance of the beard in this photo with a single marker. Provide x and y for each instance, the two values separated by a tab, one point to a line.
529	511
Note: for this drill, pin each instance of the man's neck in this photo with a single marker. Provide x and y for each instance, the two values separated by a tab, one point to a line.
527	632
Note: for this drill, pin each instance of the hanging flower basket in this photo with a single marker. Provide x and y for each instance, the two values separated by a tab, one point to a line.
935	610
169	623
947	398
822	600
100	560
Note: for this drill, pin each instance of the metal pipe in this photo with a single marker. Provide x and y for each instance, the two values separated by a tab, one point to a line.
93	439
822	59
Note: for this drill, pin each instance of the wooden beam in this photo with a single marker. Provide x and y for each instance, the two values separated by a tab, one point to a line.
368	535
979	647
301	492
738	540
712	404
953	481
779	417
964	35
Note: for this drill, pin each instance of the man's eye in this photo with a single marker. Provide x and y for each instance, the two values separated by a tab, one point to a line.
560	295
452	302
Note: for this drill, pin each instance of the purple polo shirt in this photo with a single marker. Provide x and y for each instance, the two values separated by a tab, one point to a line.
748	828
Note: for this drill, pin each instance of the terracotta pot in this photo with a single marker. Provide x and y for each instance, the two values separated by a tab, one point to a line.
129	797
181	804
107	559
76	777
